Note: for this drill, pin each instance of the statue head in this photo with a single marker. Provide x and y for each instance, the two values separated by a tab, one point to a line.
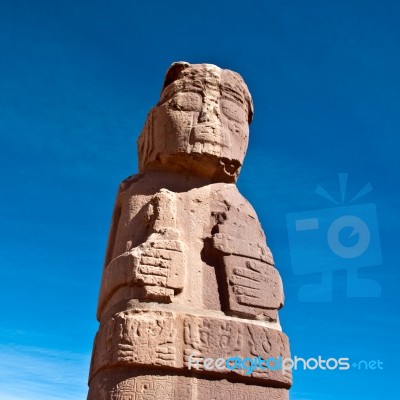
200	125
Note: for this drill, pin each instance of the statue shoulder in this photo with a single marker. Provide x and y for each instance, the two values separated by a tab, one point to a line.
129	182
230	194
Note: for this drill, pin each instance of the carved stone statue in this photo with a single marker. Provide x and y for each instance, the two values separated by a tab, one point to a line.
188	275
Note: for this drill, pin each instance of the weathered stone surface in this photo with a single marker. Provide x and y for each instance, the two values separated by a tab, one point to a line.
188	273
181	341
135	384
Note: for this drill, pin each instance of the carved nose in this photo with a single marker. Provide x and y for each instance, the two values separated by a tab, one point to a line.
204	116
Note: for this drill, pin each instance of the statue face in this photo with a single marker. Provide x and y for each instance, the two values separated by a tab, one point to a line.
201	124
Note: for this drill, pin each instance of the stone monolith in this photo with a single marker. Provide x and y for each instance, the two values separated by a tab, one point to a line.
189	286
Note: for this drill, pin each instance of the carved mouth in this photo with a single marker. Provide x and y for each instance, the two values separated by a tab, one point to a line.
206	134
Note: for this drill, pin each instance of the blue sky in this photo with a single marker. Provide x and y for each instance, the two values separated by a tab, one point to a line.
76	82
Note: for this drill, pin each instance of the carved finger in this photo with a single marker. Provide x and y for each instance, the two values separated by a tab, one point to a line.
165	362
159	291
247	274
165	237
166	357
151	279
192	352
247	291
254	266
250	300
157	262
157	253
244	282
152	270
124	347
163	244
166	350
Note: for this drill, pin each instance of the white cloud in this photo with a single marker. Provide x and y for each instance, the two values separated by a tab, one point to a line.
32	373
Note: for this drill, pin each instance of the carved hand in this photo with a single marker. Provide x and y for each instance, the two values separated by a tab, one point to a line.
257	284
160	263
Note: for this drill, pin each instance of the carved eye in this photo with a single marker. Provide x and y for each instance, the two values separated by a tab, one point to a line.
187	101
233	111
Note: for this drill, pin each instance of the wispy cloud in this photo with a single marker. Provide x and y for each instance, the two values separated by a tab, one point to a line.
33	373
295	395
